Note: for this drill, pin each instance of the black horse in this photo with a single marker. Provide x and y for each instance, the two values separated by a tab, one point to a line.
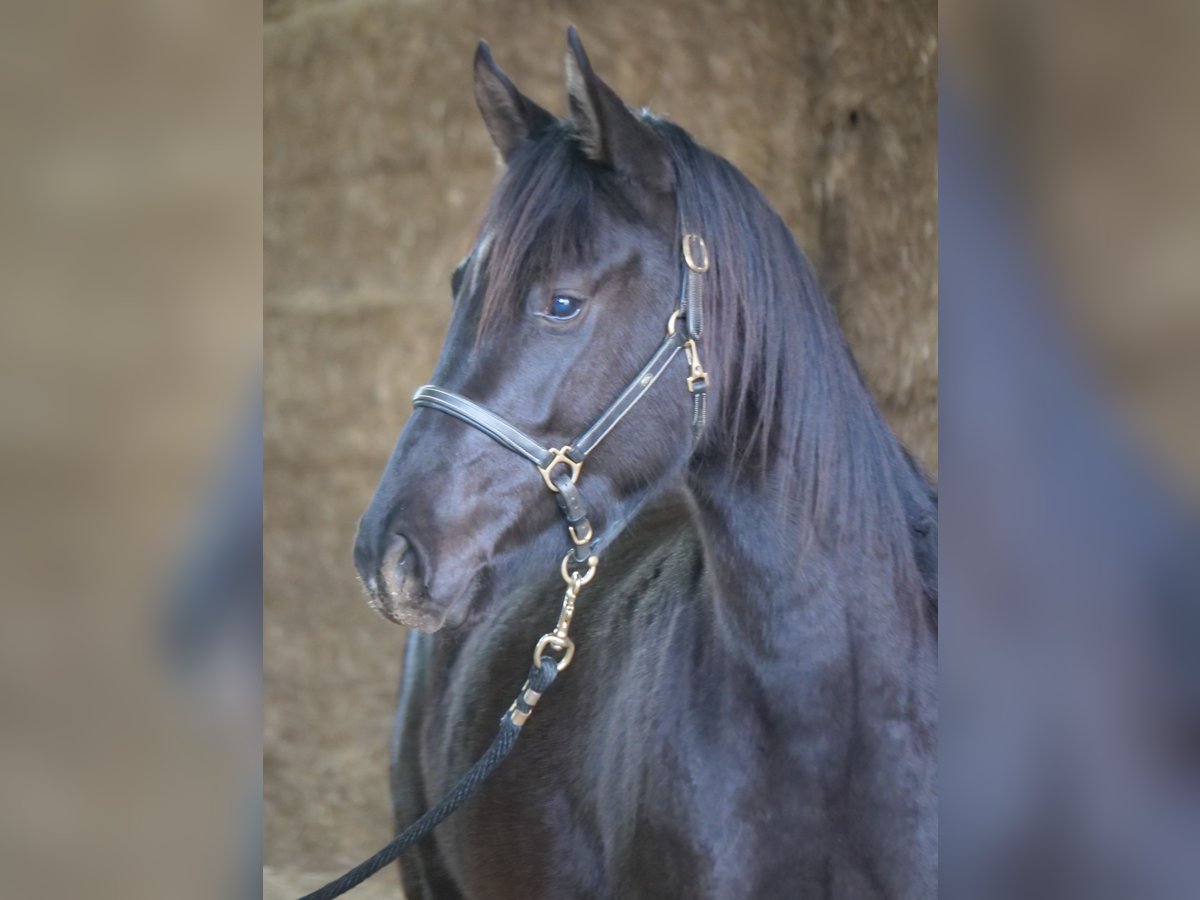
752	709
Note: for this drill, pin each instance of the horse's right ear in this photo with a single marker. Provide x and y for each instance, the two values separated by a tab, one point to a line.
509	115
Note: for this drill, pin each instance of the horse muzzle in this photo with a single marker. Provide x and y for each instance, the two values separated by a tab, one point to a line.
396	584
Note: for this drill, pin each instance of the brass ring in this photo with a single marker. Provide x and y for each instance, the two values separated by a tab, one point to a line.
574	579
671	322
687	253
564	645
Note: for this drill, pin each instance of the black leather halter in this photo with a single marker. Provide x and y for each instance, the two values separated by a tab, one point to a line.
560	467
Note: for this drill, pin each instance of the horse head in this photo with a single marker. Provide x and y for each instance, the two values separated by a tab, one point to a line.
563	298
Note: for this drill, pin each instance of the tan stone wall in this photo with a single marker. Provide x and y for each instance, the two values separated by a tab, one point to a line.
376	168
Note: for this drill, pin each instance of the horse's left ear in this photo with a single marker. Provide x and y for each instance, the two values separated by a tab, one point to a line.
609	132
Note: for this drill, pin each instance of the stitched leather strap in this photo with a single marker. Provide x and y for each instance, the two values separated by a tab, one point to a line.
642	382
519	442
574	510
693	298
486	421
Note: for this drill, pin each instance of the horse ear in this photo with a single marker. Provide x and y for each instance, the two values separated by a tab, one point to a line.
609	132
509	115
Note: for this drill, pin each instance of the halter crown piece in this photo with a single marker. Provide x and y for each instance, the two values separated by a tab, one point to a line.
561	467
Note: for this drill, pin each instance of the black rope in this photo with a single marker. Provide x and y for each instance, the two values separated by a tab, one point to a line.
540	678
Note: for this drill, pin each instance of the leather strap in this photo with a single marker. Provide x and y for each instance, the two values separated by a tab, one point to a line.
574	510
642	382
486	421
693	294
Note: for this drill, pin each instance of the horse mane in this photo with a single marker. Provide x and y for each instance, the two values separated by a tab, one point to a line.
789	389
789	385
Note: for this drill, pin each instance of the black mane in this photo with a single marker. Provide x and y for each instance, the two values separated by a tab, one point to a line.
788	384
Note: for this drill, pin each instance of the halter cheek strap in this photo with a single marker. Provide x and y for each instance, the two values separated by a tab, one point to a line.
561	467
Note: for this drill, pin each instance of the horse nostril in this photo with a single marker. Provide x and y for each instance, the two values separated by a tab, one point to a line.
402	556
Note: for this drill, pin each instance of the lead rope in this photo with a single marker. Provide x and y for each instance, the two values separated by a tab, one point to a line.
545	667
539	681
540	678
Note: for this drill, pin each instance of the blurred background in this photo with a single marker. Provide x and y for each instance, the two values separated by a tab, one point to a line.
130	329
376	169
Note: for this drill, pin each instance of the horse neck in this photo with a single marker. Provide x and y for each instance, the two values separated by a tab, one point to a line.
803	558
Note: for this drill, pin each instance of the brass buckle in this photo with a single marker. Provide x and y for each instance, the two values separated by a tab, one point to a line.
687	253
560	456
578	540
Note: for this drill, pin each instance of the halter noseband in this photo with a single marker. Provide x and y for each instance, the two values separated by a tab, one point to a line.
560	467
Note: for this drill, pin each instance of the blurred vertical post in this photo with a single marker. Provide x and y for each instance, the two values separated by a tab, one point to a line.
130	343
1070	285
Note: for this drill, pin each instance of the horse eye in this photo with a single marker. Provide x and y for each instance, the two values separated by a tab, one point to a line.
562	307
